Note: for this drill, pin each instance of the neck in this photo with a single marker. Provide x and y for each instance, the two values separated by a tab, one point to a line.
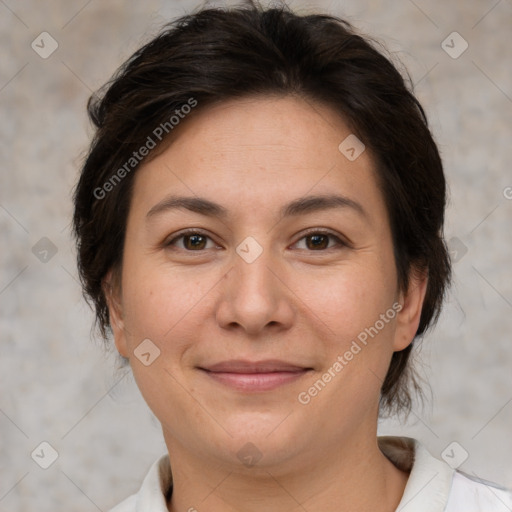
354	477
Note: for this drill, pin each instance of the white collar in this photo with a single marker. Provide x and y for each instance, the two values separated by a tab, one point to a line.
430	479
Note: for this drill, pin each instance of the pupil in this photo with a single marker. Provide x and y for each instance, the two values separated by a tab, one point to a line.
316	237
195	237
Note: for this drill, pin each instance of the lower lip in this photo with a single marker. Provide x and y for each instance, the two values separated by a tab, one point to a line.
255	381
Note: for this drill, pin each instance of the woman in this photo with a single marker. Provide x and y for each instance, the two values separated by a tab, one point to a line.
260	226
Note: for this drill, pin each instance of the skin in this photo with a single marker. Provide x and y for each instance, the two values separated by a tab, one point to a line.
295	302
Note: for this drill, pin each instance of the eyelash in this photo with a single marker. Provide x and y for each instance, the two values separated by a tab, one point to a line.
189	232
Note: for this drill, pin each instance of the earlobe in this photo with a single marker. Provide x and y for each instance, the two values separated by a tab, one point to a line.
408	319
111	290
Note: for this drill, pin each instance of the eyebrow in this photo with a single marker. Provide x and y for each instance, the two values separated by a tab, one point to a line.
300	206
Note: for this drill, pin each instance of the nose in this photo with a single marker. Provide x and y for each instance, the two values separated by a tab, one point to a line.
255	295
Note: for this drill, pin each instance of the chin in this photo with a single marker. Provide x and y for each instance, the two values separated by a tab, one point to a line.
259	441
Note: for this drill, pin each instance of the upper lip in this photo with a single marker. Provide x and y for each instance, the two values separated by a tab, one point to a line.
244	366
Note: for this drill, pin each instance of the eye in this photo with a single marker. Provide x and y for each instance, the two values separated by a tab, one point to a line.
196	241
319	240
193	241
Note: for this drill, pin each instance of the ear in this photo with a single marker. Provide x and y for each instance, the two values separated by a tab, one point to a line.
112	291
408	318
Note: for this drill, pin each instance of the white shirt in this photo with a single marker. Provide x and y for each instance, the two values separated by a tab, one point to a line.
433	486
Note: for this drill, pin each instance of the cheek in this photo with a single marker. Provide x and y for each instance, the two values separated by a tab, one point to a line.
349	301
167	394
162	304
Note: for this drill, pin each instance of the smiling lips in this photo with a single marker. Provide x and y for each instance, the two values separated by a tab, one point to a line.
255	376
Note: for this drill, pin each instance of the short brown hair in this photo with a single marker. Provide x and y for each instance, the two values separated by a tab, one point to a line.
218	54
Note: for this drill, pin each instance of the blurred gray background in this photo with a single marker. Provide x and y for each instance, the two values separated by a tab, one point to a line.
59	386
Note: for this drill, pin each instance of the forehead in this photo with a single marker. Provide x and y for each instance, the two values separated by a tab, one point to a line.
251	152
282	125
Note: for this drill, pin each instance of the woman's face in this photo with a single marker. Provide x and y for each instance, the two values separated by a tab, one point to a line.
269	275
